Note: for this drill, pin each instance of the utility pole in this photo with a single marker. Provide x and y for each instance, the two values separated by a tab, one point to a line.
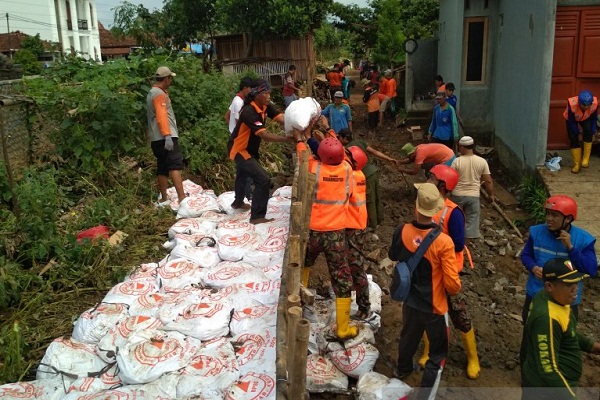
9	44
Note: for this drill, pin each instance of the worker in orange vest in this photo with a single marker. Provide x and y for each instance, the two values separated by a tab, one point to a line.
581	111
451	220
355	229
333	188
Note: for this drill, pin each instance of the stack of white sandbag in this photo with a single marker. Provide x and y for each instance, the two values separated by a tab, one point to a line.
198	324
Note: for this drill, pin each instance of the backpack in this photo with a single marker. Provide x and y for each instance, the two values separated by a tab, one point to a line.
400	286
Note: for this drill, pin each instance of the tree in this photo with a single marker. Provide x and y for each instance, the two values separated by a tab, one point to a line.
418	18
34	44
389	45
360	22
29	61
189	19
136	21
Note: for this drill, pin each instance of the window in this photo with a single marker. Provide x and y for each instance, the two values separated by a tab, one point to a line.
92	16
69	23
475	50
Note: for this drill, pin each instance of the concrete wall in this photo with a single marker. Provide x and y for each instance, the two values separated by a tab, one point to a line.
421	68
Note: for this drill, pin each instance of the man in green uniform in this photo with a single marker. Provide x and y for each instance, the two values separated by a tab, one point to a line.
551	363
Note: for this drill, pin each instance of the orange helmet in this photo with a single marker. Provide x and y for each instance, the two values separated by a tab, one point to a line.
331	151
446	174
359	158
563	204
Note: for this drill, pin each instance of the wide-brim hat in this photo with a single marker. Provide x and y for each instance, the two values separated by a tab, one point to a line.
429	200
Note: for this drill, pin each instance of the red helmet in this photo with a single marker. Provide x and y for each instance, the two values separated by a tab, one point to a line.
563	204
331	151
445	173
358	157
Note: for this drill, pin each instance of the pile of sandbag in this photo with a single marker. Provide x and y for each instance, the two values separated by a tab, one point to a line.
198	324
330	362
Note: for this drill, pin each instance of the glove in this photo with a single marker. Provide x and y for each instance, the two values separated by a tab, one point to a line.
168	143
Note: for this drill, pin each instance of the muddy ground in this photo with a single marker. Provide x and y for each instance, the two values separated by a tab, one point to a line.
495	287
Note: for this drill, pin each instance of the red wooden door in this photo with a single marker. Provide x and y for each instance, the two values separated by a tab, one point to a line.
576	65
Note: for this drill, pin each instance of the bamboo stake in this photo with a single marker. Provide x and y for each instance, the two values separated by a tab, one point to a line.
297	372
293	300
294	247
294	279
294	314
297	212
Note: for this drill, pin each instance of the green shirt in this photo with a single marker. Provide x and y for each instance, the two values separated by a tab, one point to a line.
552	348
371	167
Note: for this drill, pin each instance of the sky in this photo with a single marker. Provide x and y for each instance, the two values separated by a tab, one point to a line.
106	16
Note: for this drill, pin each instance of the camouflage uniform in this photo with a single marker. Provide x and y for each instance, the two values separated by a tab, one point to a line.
335	247
356	261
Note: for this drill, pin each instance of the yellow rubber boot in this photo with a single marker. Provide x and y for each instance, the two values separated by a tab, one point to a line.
425	355
305	276
576	154
473	367
342	312
587	151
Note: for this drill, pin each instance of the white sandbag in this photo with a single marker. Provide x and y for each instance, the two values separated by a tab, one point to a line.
224	201
210	372
191	188
320	311
127	292
252	319
272	269
193	239
375	386
252	386
149	353
123	393
365	335
272	249
323	376
315	339
190	226
279	201
256	351
203	255
300	114
143	271
47	389
284	191
234	226
214	216
71	357
203	321
192	207
94	323
248	294
164	387
180	273
374	297
117	336
228	273
147	305
355	361
233	247
106	381
178	301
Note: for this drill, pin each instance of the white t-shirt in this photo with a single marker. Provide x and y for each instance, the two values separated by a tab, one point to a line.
236	105
470	168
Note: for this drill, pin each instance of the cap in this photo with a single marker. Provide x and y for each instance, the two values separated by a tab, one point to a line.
466	141
365	81
429	201
440	94
163	72
339	93
387	72
561	270
407	150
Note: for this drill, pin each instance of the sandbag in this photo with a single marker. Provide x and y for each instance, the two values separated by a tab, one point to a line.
149	353
47	389
190	226
323	376
143	271
252	386
300	114
127	292
214	216
248	294
375	294
233	247
164	387
235	226
94	323
106	381
204	255
355	361
284	191
375	386
256	351
117	336
203	321
124	393
193	207
147	305
224	201
210	372
228	273
178	301
252	319
180	273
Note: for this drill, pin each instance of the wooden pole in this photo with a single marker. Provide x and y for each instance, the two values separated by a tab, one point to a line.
281	363
294	300
294	279
297	218
294	247
302	173
294	314
297	372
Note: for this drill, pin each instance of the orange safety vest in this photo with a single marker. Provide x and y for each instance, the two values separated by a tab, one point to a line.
330	199
442	221
578	113
357	205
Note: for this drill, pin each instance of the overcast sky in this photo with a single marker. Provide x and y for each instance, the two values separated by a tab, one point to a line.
106	16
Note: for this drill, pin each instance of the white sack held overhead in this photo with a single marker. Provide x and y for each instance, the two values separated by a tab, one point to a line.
190	226
210	372
255	351
375	386
149	353
323	376
228	273
127	292
204	254
252	319
117	336
67	355
233	247
94	323
301	113
203	321
179	273
48	389
355	361
252	386
193	207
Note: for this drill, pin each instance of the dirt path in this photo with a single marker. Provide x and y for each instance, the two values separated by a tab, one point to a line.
495	287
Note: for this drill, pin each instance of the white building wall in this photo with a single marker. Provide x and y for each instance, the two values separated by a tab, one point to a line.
49	19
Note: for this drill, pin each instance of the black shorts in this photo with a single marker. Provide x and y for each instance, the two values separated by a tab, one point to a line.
167	160
373	119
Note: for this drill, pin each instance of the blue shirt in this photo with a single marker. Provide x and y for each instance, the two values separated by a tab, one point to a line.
338	116
444	125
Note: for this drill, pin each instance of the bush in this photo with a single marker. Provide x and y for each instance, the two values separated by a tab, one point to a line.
29	61
532	196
